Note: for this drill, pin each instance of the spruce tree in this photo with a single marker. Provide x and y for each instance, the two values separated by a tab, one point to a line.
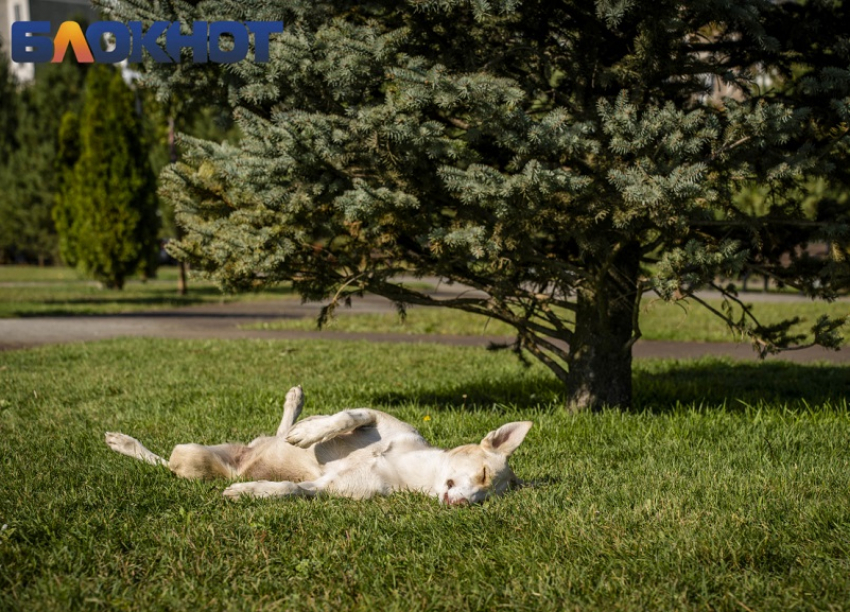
562	158
106	211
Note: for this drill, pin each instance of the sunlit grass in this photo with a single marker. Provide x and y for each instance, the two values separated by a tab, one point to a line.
27	291
727	488
659	320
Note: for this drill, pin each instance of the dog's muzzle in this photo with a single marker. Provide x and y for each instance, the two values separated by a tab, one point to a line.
458	502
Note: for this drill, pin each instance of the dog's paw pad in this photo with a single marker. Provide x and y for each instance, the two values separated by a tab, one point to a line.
121	443
295	395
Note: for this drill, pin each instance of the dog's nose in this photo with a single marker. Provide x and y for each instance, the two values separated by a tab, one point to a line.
450	483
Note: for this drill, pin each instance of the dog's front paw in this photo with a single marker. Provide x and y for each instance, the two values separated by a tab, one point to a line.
240	489
307	433
260	488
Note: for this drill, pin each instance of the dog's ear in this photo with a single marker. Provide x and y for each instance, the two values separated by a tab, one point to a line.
507	438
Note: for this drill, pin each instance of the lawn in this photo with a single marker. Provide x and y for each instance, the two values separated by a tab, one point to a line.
684	321
27	291
726	488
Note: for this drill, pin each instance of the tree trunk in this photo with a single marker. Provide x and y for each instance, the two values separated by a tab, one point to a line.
182	284
600	363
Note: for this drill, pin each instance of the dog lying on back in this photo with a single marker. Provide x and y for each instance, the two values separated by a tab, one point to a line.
355	453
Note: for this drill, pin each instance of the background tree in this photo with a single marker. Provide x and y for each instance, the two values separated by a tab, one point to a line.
106	211
29	182
562	158
161	124
9	116
9	109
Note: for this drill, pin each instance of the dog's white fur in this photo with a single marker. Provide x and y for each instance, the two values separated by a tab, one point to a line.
356	453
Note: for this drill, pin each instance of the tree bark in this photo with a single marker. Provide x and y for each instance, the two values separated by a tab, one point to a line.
600	362
182	283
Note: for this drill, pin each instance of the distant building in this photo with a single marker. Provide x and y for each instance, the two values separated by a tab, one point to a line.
54	11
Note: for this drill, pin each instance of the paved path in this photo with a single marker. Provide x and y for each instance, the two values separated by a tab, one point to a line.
224	321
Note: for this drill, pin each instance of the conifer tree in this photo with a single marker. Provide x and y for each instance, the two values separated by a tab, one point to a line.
29	186
106	211
562	158
8	110
9	115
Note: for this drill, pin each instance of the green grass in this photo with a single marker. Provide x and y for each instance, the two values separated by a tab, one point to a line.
727	488
690	321
27	291
659	321
36	274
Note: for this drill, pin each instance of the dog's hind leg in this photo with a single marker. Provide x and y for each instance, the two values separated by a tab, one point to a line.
199	461
131	447
291	410
316	430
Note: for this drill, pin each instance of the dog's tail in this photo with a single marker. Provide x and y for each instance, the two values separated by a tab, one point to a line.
291	410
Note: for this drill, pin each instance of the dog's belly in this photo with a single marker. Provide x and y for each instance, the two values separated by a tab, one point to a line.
360	475
273	459
359	464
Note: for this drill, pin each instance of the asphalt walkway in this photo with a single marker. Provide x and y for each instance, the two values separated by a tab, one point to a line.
224	321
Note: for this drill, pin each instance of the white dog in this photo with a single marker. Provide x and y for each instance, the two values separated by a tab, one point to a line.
356	453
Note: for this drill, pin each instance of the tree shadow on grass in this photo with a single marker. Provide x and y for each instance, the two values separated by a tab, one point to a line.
659	387
77	307
712	382
523	392
107	301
